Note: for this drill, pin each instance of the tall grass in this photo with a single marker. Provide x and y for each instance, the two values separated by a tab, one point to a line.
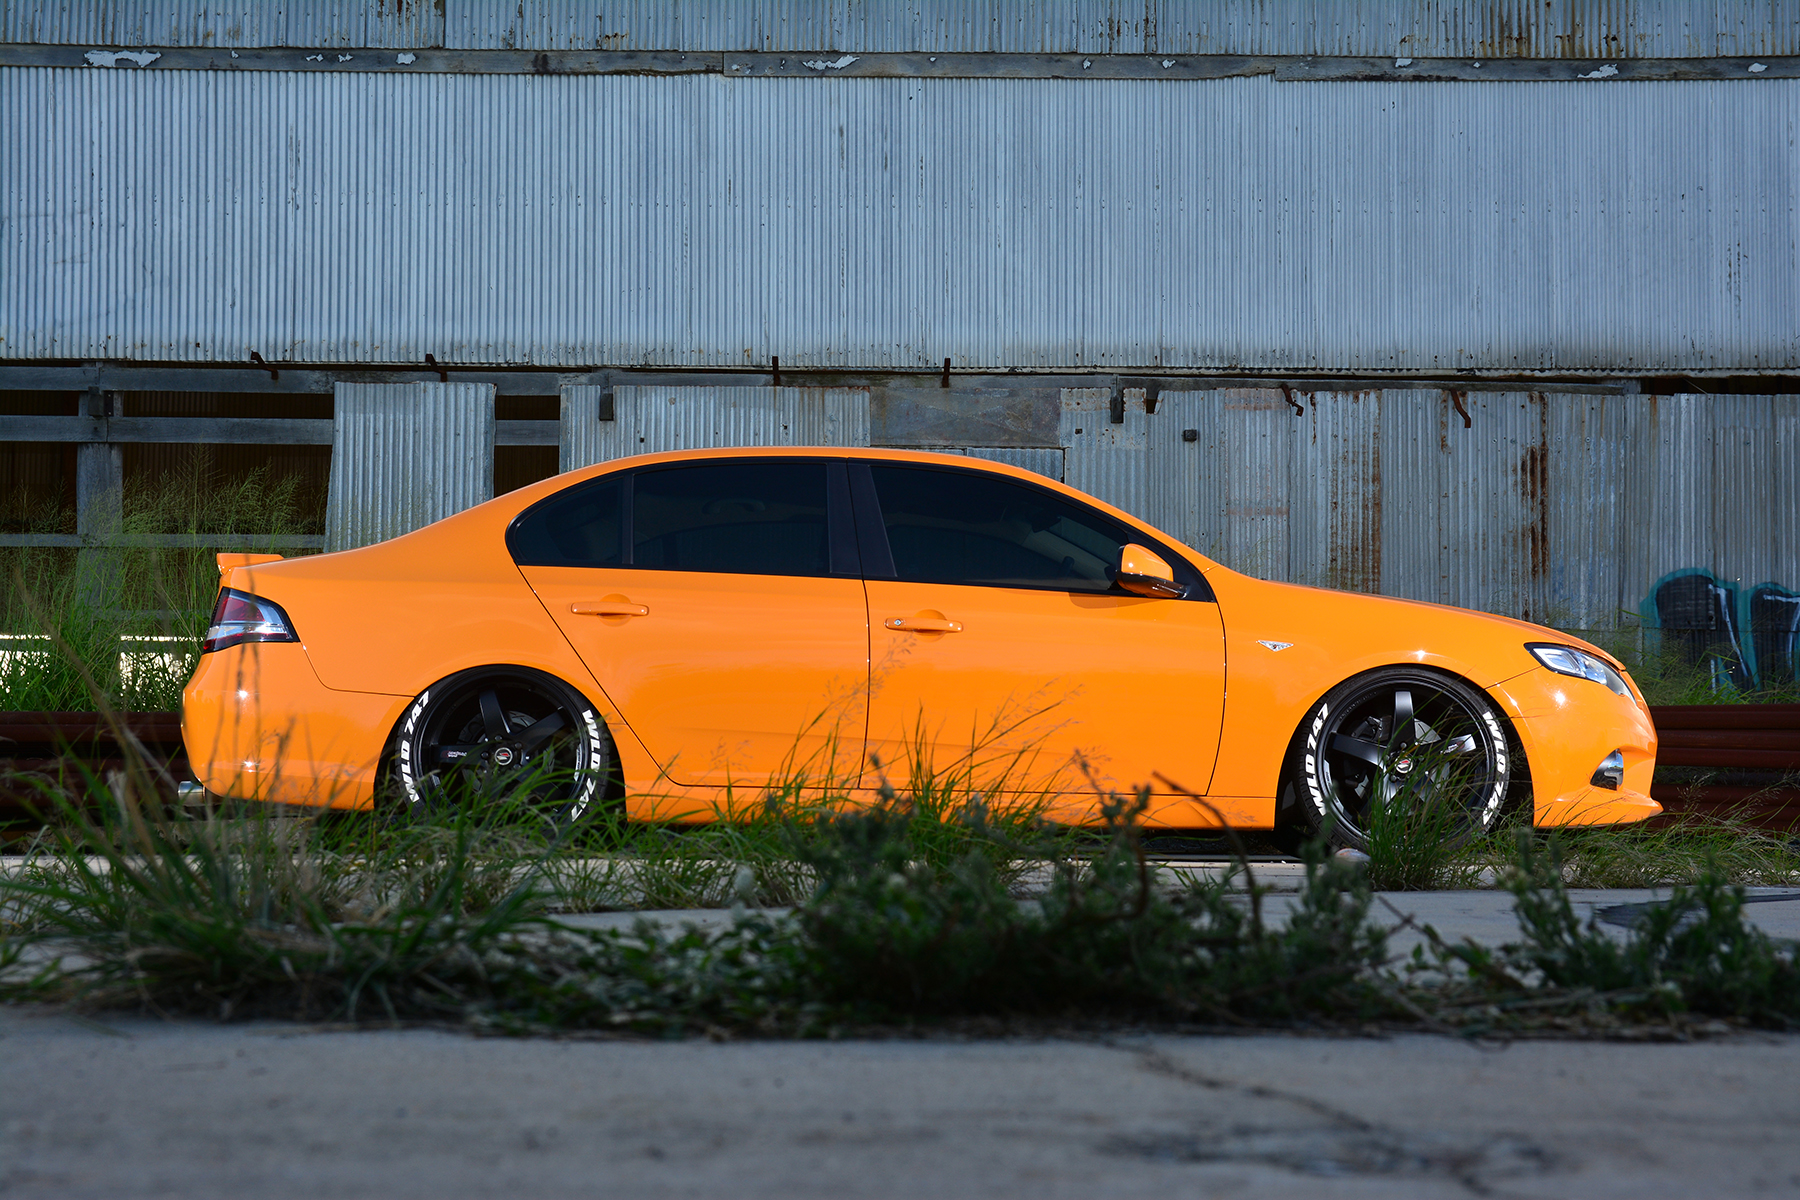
1421	837
447	919
127	616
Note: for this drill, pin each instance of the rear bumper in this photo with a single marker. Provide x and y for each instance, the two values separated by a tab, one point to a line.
258	725
1568	726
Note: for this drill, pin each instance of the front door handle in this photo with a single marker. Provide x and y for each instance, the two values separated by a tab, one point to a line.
924	624
609	608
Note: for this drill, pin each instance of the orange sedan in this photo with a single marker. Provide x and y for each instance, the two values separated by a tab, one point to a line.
675	632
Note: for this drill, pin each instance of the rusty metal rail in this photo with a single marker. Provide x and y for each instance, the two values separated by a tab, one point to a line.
1735	740
1727	738
61	750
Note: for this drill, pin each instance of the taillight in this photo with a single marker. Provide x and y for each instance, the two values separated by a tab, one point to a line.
241	617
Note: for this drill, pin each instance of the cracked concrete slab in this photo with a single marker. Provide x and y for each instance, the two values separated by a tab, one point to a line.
136	1106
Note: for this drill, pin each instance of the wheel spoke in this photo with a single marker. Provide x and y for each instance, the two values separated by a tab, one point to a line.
1359	749
1461	745
493	717
534	734
1403	717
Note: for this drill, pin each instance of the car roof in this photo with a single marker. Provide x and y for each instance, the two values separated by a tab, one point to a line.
518	501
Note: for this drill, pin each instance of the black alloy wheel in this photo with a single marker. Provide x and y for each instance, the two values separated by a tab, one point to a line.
506	734
1402	737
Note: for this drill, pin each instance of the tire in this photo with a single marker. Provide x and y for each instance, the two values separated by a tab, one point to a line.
1356	746
503	734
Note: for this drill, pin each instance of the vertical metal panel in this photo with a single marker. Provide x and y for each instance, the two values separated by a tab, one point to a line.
648	420
1334	491
1045	461
1185	480
1493	522
397	23
1589	441
1256	424
196	216
404	455
1418	28
1415	453
1100	457
1669	494
1782	499
1742	536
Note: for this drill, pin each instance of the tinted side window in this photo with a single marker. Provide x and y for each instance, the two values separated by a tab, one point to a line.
969	528
751	518
579	528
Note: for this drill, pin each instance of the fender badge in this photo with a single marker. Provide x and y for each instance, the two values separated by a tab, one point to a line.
1275	646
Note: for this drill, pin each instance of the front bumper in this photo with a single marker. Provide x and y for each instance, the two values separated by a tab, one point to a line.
258	725
1568	726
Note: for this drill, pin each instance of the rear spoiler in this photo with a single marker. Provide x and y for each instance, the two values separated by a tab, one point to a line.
237	559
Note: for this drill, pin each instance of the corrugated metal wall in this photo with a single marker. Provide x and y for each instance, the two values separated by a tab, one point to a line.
1566	509
1045	461
404	455
1420	28
649	420
371	23
886	223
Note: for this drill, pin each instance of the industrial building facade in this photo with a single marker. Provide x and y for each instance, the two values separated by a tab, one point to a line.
1495	304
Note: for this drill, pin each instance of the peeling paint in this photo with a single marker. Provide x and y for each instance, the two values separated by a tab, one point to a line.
315	58
821	64
1167	63
1606	72
1758	68
345	57
1403	62
407	59
110	58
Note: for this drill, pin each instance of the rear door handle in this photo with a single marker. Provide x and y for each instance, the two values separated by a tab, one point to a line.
924	624
609	608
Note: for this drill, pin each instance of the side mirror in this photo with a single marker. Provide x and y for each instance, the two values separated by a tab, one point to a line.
1145	573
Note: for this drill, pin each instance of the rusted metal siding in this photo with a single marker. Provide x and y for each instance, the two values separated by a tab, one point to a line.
1415	28
648	420
1228	225
404	455
374	23
1334	501
1564	509
1590	442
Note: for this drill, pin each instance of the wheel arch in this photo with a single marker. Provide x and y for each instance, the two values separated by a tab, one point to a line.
1288	807
612	790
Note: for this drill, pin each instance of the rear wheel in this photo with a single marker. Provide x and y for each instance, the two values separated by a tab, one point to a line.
503	735
1402	741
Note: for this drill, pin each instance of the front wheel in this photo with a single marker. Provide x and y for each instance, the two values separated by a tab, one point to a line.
1406	743
503	736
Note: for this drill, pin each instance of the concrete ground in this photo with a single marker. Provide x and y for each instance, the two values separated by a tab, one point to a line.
134	1106
141	1107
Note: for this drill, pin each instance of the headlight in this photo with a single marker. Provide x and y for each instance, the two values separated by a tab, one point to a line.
1567	660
